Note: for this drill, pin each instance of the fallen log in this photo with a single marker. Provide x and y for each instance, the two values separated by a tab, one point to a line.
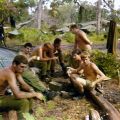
24	23
106	106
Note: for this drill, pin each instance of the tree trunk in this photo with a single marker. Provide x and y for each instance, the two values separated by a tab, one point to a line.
39	14
112	38
106	106
98	14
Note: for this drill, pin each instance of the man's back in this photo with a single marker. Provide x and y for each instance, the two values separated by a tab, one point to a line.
81	42
36	50
5	74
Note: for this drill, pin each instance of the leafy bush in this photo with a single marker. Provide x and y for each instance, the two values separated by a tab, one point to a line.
35	36
96	38
68	37
107	63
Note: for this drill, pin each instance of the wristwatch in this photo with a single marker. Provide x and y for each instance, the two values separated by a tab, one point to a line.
31	90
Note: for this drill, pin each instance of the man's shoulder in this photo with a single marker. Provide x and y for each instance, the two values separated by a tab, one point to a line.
93	65
7	73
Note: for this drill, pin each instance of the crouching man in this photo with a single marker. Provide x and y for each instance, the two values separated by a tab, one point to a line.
91	73
12	77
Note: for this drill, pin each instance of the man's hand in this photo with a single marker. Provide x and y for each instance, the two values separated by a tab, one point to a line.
69	71
40	96
93	84
55	58
91	43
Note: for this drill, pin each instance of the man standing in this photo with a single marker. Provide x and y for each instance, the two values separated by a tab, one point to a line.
81	40
11	77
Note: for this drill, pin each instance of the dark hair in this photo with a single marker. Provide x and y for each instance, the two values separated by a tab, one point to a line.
20	59
57	41
73	26
77	51
28	45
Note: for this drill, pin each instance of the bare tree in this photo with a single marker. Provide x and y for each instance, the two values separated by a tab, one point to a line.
39	14
98	16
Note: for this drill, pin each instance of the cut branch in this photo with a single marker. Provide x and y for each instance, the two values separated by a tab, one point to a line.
24	23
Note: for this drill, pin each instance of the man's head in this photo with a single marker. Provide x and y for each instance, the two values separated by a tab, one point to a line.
48	48
57	42
27	48
74	28
85	56
19	63
76	54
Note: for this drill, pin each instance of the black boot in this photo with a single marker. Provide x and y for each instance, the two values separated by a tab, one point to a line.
45	78
64	69
52	73
50	94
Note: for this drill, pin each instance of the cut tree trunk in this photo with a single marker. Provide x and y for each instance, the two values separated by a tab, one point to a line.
106	106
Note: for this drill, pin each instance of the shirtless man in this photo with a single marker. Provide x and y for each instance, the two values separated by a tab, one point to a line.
90	71
81	40
9	77
44	55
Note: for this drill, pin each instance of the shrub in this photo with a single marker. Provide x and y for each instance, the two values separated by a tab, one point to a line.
68	37
107	63
96	38
35	36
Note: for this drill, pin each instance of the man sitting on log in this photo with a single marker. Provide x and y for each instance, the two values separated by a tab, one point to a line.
11	77
91	73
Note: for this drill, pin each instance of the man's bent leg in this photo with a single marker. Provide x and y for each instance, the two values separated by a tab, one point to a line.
33	81
78	82
10	102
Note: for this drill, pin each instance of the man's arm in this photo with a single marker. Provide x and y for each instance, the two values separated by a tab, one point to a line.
23	84
20	94
98	72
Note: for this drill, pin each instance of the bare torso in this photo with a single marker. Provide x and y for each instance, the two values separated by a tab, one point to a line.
35	52
81	43
89	72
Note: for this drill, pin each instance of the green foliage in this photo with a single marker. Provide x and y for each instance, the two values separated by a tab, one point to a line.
35	36
51	105
68	37
96	38
118	29
6	9
39	111
27	116
107	63
50	118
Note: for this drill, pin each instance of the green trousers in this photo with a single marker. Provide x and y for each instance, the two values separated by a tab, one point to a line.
10	102
44	66
33	80
22	106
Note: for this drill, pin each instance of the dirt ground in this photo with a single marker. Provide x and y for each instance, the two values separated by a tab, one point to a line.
61	108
